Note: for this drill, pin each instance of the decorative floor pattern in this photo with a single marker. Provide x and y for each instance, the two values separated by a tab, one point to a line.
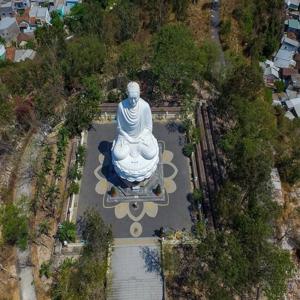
135	210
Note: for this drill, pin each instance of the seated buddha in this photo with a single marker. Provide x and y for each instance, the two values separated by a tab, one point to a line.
135	152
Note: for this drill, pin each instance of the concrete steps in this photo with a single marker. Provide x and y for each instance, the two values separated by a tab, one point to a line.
135	270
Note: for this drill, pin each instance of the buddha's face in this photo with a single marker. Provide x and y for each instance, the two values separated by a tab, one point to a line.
133	96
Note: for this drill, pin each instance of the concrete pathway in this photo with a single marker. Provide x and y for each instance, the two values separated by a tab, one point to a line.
135	270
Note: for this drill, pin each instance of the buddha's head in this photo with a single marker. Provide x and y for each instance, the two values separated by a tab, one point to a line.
133	92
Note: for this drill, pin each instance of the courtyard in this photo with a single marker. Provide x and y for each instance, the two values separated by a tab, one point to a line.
141	217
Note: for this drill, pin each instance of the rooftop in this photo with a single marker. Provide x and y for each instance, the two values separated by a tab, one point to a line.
294	24
6	22
289	41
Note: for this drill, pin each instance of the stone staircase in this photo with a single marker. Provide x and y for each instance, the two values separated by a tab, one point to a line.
135	271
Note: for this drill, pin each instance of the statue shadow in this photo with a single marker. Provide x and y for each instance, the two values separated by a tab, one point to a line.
107	170
176	127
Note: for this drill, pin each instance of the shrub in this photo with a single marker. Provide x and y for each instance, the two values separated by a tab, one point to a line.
197	196
45	269
280	86
73	188
43	227
14	226
67	232
188	149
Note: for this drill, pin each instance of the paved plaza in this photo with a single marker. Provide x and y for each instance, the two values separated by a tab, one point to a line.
137	217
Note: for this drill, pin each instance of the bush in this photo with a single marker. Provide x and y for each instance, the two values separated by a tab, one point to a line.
80	155
44	227
197	196
45	269
67	232
14	226
280	86
73	188
188	149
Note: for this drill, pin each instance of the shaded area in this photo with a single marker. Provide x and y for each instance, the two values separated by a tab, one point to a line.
151	257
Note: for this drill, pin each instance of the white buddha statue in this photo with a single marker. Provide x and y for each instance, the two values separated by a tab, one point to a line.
135	152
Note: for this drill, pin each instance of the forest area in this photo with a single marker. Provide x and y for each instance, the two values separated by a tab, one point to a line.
87	59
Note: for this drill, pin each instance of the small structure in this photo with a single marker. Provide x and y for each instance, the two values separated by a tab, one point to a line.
40	15
293	26
271	72
289	44
21	55
9	29
284	59
2	52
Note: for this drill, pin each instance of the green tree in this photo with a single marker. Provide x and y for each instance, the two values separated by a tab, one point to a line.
84	108
177	59
81	61
14	224
131	59
86	278
127	14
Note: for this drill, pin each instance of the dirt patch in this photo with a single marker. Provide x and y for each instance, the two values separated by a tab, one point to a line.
9	287
198	20
233	40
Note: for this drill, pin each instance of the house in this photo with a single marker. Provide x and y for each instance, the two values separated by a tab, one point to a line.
270	72
289	44
292	4
40	15
6	9
293	26
284	59
21	55
9	29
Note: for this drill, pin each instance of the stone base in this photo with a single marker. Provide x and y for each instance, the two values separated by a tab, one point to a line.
142	191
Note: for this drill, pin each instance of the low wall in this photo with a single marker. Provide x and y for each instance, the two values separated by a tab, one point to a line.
109	110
